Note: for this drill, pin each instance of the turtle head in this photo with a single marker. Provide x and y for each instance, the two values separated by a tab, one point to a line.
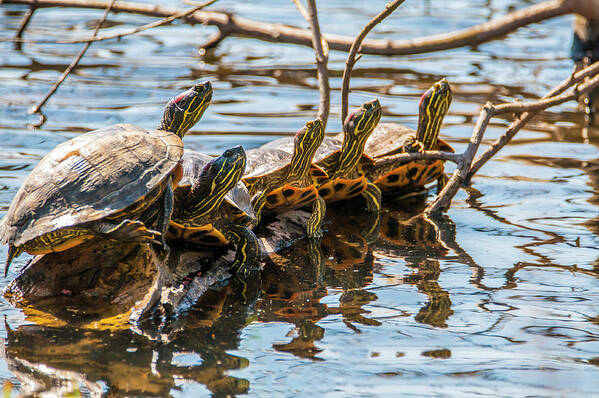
183	111
356	129
306	142
217	178
432	108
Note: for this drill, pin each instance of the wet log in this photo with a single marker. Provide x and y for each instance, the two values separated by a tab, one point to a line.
109	285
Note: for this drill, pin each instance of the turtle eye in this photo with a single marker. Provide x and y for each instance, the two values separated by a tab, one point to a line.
228	153
309	125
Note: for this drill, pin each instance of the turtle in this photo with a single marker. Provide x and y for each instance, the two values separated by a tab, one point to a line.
281	180
389	139
213	208
342	158
112	182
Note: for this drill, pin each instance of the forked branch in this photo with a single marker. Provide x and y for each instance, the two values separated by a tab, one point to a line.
232	25
525	117
565	91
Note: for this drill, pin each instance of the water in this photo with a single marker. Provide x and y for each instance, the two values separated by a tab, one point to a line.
505	304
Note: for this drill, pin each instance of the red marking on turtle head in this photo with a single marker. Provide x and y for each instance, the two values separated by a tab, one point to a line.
180	97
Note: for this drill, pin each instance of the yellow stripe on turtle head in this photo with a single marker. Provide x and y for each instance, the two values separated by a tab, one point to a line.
357	127
433	107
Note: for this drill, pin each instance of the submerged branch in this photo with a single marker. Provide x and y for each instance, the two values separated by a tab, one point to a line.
232	25
73	64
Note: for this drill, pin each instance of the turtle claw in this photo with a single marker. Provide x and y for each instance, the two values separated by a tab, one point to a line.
133	231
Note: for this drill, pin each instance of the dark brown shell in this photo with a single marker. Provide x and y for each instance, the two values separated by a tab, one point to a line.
88	178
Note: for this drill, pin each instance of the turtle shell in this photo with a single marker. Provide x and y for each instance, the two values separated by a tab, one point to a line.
268	163
326	156
90	177
388	139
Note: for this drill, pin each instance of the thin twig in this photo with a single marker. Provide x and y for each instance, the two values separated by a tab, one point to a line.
487	31
444	198
321	52
164	21
73	64
427	155
356	45
24	22
524	118
300	7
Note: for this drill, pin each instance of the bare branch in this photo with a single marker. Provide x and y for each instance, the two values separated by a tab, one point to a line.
24	22
524	118
444	198
356	45
427	155
321	49
73	64
279	33
465	169
300	7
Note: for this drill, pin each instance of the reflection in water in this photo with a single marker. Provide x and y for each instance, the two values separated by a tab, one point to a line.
418	240
508	307
195	345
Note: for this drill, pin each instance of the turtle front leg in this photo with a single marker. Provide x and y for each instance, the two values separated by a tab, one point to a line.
127	231
373	196
319	208
248	249
166	212
258	202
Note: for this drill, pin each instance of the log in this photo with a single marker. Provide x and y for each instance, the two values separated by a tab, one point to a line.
106	284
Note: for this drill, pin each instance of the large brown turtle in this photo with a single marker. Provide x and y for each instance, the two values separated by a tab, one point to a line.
114	182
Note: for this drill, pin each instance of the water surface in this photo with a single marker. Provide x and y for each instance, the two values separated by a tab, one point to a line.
498	298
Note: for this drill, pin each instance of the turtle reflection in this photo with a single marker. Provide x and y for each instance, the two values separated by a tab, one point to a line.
419	240
293	285
102	353
116	362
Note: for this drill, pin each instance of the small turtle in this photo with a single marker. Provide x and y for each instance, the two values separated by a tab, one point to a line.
212	207
389	139
280	180
108	182
343	160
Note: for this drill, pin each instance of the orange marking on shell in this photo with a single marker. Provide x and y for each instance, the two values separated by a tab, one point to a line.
177	175
331	192
68	155
288	196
